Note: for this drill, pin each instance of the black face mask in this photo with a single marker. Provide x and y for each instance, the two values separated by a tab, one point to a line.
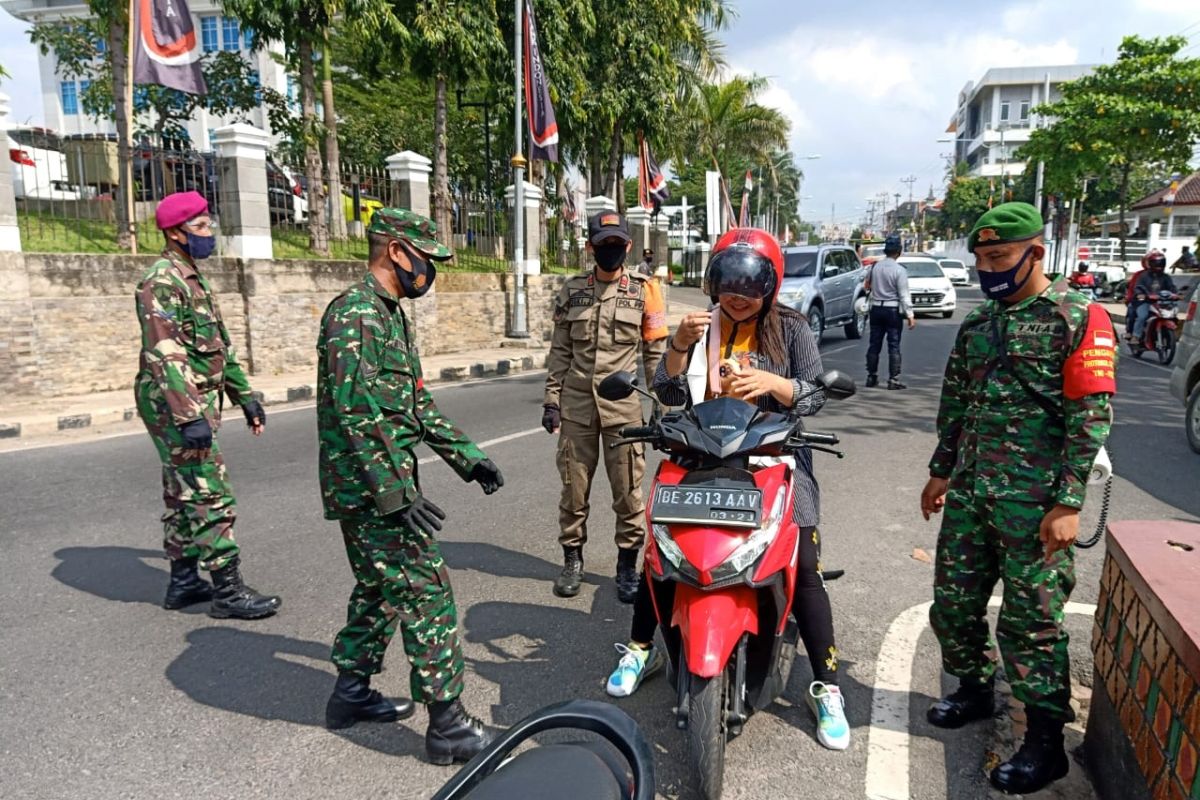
418	282
609	256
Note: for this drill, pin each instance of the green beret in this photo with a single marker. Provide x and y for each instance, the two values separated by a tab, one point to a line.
417	230
1007	222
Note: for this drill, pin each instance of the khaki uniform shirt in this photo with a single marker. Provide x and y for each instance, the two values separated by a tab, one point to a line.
601	328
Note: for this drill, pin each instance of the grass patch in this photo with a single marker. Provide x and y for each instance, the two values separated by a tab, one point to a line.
45	233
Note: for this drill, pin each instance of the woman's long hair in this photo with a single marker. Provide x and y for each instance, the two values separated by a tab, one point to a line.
770	332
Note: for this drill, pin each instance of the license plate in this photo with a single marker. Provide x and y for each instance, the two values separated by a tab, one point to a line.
741	508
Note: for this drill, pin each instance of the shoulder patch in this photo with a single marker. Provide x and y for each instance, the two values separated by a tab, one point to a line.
1091	368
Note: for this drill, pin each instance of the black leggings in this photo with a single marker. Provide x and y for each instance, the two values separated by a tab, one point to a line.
810	607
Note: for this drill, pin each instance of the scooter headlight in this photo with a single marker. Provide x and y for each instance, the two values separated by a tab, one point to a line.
667	546
756	543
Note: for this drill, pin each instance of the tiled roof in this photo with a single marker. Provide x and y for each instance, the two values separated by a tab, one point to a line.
1188	194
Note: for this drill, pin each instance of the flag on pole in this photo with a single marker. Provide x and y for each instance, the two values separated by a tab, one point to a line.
166	50
543	128
652	184
744	214
570	212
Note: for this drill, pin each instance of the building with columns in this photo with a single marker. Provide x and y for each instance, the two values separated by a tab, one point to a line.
995	115
61	95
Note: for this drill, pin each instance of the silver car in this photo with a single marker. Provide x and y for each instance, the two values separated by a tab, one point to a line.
1185	377
825	283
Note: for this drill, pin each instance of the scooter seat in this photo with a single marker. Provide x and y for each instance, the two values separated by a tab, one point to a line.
552	772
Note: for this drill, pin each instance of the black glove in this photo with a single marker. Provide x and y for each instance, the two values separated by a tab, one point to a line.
551	418
197	434
254	410
487	475
423	516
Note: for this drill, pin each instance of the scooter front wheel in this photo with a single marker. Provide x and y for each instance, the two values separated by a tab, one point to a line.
707	731
1166	345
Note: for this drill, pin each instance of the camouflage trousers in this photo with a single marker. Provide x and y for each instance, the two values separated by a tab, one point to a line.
201	510
982	541
400	579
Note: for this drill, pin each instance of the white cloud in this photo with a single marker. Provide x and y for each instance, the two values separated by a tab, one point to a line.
20	60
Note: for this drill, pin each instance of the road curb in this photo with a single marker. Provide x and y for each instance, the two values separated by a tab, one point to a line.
45	426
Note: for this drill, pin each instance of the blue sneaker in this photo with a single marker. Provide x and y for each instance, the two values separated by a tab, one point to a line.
829	707
635	666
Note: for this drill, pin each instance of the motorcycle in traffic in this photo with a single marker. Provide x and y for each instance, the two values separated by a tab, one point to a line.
722	558
1161	332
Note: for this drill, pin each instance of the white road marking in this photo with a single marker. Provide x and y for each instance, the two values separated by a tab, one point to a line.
17	447
490	442
888	738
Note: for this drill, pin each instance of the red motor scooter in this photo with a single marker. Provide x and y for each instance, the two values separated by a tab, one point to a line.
722	558
1161	333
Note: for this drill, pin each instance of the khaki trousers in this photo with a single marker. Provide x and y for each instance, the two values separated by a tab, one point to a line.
579	449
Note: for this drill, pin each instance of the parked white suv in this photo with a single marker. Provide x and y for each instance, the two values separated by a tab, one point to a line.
931	290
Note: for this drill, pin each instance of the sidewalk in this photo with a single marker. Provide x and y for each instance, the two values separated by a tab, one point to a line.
111	412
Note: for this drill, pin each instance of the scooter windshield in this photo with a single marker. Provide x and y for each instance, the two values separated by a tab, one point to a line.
725	427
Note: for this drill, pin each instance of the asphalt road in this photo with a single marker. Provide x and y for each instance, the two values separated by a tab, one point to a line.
105	695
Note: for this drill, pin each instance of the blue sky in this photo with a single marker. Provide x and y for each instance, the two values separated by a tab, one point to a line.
868	85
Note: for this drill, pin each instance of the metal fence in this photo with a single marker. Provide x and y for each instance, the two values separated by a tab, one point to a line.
363	191
480	232
67	194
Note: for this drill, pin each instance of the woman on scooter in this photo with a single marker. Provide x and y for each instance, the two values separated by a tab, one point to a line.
762	352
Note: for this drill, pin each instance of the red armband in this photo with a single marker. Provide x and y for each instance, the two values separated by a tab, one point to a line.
1091	369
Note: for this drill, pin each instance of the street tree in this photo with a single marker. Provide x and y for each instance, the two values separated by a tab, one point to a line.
1143	109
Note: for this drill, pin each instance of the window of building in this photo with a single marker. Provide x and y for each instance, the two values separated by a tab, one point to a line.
1004	111
101	45
248	38
293	94
1025	111
208	34
70	97
231	34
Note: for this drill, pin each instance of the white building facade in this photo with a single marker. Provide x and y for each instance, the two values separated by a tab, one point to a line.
995	116
61	95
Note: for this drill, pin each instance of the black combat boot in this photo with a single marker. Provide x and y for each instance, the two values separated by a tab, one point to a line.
353	700
186	587
453	735
872	380
232	598
895	383
567	584
1041	760
627	579
971	701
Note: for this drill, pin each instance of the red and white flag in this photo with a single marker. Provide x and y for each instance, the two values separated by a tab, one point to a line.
166	51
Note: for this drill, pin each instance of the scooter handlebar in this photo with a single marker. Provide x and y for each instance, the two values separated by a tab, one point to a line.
811	437
638	431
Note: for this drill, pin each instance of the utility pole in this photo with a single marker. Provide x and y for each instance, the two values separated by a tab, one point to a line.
520	329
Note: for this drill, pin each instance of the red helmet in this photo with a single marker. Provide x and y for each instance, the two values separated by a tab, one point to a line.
1154	260
747	262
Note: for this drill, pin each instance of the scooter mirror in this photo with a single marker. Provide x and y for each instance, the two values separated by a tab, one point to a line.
617	386
837	385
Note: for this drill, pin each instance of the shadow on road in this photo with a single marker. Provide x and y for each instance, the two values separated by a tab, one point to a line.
504	563
116	573
262	675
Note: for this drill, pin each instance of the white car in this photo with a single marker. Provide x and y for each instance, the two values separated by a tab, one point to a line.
931	290
955	270
39	167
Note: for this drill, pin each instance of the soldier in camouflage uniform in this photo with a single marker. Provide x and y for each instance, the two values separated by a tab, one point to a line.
186	362
1025	408
604	321
372	411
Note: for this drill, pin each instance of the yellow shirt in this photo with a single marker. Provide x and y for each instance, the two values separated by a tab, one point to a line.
738	346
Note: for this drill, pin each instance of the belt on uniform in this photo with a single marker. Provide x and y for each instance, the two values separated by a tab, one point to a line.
886	303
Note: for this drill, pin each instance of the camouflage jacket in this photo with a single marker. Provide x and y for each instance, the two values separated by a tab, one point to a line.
373	408
994	440
186	348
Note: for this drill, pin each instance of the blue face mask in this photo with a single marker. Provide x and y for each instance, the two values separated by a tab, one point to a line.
200	246
998	285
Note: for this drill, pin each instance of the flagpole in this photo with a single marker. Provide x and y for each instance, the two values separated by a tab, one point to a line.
519	328
129	192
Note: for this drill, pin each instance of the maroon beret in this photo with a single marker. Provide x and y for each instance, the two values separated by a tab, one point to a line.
176	209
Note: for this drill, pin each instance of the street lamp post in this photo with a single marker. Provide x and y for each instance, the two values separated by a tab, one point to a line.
520	329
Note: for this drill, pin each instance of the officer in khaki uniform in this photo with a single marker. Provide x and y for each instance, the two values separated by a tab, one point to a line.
604	321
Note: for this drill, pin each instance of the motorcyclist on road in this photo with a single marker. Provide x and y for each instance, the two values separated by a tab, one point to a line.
1149	285
1082	279
766	355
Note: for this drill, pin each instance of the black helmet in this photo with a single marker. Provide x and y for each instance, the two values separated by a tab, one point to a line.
1156	260
892	245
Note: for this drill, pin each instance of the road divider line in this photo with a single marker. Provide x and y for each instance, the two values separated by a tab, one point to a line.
888	739
498	440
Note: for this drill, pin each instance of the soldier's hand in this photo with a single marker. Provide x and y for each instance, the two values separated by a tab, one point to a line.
423	516
487	475
933	496
197	438
551	418
1059	529
256	418
912	323
692	328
